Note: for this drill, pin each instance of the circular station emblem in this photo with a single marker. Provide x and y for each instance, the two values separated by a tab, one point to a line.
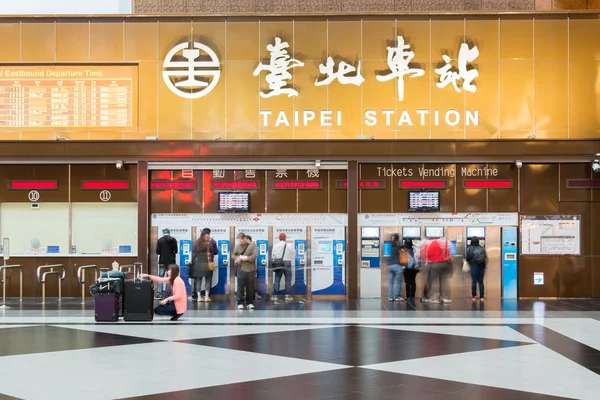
191	70
105	195
33	196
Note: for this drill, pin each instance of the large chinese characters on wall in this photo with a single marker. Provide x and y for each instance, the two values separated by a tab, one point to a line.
342	77
420	78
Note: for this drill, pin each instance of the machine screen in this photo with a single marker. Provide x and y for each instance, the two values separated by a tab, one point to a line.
325	246
411	231
370	232
479	232
434	231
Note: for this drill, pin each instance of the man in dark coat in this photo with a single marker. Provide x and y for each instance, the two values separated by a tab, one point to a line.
166	248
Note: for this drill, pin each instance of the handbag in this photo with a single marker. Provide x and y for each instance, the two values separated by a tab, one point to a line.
211	264
466	267
278	263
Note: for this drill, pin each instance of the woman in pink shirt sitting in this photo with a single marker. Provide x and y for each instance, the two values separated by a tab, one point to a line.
175	305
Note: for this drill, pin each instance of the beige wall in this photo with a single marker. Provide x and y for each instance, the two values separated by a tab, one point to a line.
537	75
325	6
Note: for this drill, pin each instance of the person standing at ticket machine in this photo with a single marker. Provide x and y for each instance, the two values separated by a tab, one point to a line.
436	254
166	248
213	252
395	269
477	259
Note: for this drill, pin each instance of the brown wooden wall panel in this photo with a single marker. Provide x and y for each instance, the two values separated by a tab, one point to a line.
281	201
314	201
211	197
469	200
338	198
574	171
585	210
595	222
400	196
375	200
188	201
103	172
160	201
549	265
59	173
504	200
447	199
539	188
576	277
257	197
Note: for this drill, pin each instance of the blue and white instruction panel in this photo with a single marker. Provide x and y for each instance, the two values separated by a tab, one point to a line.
328	249
220	278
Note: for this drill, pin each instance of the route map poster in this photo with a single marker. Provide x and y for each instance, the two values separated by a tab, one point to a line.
550	234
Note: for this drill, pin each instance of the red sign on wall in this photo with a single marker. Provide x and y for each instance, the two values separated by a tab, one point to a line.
170	185
235	185
297	184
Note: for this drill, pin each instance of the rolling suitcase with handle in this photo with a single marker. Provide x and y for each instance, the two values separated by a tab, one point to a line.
138	300
106	301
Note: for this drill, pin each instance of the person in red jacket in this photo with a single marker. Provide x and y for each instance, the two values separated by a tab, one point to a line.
436	254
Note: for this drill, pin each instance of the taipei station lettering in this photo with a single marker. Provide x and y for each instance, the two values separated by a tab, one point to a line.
327	118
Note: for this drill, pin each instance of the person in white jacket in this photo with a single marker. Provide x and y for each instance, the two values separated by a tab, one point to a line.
282	256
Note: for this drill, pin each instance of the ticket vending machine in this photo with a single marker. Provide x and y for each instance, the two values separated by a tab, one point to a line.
370	262
478	232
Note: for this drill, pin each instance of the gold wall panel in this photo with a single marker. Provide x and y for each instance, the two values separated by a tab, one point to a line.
37	42
106	42
535	75
10	42
73	42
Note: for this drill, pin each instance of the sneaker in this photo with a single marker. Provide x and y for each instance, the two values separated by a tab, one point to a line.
258	296
250	306
275	298
207	299
446	301
424	300
240	306
289	298
474	298
391	300
200	299
400	299
176	317
482	299
157	297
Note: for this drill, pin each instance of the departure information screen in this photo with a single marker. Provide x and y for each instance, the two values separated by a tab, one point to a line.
423	201
67	96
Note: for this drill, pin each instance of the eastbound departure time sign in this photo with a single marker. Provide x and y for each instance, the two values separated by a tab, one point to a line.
66	96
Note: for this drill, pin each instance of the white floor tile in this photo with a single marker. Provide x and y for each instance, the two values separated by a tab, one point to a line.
110	373
583	330
508	368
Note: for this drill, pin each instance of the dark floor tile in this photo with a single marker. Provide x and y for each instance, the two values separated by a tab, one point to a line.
580	353
43	339
354	345
7	397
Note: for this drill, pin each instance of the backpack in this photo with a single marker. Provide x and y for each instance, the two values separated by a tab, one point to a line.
478	255
404	256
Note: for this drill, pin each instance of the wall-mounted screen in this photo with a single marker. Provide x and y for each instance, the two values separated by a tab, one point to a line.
434	231
476	232
369	232
423	201
234	202
411	231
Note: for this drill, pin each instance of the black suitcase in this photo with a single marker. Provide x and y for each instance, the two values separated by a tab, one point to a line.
138	300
